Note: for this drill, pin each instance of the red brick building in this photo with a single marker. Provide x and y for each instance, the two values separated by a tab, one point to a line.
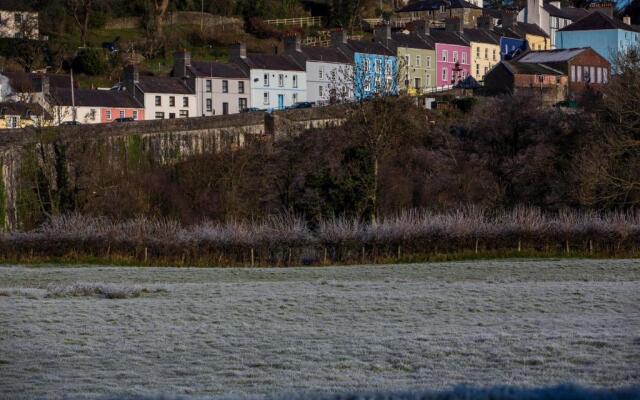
515	77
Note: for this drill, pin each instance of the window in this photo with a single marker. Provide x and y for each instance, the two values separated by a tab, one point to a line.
494	54
294	97
17	17
321	73
184	114
295	80
225	108
417	83
171	115
366	65
265	80
593	74
209	105
367	85
281	80
478	52
418	61
429	62
378	66
573	73
605	78
578	73
240	87
159	115
486	53
135	115
122	114
185	102
387	69
172	101
13	121
209	86
464	58
225	86
320	91
158	101
599	75
444	55
407	59
455	56
477	69
444	74
108	115
428	80
265	98
242	103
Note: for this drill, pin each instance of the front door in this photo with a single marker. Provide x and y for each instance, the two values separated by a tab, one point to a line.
280	101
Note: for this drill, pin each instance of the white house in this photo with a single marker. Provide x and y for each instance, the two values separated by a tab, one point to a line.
277	81
329	71
163	97
18	22
219	88
550	16
86	106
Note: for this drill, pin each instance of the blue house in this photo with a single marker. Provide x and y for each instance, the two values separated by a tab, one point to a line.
511	43
375	66
606	35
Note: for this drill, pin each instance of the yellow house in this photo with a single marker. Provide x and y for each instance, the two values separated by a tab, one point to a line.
485	51
534	35
14	115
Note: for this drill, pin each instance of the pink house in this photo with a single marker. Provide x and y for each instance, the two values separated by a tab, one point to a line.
94	106
453	56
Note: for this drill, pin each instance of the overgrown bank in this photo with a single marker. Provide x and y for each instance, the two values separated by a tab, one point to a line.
287	240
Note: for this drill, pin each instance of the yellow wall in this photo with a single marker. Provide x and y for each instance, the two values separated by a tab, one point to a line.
24	122
489	56
538	42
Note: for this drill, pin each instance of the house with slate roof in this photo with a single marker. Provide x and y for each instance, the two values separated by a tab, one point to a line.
220	88
416	54
453	53
18	20
15	115
550	16
606	35
586	69
515	77
485	48
276	81
31	87
440	10
329	71
163	97
375	66
92	106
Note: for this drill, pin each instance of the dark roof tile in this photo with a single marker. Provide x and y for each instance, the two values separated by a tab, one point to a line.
442	36
481	36
429	5
412	41
368	47
272	61
598	20
217	70
23	109
163	84
94	98
327	54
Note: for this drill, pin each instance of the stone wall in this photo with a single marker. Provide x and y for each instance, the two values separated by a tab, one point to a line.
39	164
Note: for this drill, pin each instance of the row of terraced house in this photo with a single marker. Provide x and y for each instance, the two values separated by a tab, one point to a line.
506	55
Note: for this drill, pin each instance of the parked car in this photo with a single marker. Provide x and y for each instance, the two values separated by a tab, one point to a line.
70	123
250	109
302	104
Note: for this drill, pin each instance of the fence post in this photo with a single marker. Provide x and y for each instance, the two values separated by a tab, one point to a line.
252	257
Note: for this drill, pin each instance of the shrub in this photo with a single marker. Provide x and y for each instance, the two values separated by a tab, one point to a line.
90	61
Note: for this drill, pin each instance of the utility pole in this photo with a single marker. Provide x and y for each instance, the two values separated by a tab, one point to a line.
73	99
201	15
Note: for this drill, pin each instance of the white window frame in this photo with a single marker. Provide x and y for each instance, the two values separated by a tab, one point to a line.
265	98
265	80
135	115
280	80
122	114
13	121
378	66
108	115
294	80
444	75
225	86
209	104
418	61
208	86
455	56
445	55
321	73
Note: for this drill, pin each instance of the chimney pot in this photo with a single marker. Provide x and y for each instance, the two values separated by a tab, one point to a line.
338	37
453	25
292	44
181	60
627	20
238	50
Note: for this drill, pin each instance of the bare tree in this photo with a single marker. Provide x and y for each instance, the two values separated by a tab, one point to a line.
81	13
159	9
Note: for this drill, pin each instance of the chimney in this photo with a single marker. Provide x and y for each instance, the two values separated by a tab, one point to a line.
484	22
382	34
292	44
181	60
238	50
421	28
338	37
627	20
453	25
508	19
131	77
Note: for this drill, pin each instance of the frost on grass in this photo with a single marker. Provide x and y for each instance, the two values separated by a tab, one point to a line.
103	290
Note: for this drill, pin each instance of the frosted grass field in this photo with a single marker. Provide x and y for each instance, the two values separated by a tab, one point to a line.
92	331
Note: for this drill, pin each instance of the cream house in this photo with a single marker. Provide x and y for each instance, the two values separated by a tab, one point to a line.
485	51
18	22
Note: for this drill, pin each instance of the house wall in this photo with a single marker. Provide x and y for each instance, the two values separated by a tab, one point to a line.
218	97
553	89
483	57
9	28
150	108
368	80
464	59
409	69
606	42
499	80
534	13
538	42
511	46
114	114
591	65
334	76
84	115
556	23
23	122
291	93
